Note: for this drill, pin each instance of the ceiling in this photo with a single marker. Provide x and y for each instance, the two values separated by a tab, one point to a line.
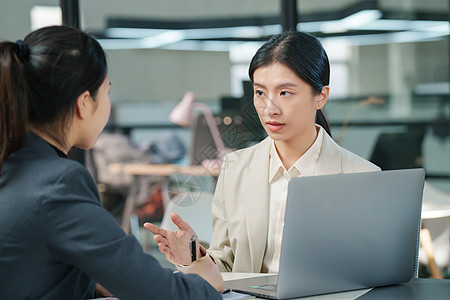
368	21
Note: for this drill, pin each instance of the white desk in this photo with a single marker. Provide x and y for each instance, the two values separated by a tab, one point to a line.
227	276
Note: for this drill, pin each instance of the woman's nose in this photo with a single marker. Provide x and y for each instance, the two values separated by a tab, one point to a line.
272	107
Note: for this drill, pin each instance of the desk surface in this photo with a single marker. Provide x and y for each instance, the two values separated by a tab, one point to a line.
162	169
416	289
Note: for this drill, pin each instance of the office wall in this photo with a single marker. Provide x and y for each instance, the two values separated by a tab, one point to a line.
165	75
15	18
371	65
435	66
368	70
139	75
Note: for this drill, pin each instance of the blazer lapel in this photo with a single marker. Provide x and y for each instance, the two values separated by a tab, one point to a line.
330	158
257	204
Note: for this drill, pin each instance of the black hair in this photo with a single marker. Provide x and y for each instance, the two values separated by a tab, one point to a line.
41	78
304	55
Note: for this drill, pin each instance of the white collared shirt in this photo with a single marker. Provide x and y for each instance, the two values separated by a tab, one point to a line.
278	187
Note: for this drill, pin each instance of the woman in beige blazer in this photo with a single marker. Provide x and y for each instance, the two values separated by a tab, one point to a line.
290	76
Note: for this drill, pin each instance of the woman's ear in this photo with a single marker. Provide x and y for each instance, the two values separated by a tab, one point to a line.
83	105
322	98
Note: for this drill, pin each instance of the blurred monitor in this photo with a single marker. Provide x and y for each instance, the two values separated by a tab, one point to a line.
399	150
238	124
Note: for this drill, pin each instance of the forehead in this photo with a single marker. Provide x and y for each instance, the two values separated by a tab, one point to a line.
276	74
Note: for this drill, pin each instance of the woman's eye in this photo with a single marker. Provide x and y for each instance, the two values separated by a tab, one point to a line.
259	93
285	93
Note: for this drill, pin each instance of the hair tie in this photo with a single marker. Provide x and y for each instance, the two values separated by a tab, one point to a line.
23	49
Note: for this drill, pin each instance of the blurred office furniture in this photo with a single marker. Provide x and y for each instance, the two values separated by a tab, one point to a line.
113	187
194	208
367	101
235	134
166	149
139	170
435	234
182	115
202	143
399	150
238	124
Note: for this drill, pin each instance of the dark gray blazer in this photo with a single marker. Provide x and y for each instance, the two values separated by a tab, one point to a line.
57	241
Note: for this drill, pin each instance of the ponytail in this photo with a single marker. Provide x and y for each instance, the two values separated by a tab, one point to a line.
41	78
13	99
322	121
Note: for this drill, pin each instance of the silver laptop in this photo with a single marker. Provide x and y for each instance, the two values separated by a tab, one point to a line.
345	232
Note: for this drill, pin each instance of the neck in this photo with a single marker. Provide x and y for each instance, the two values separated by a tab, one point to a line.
51	140
290	151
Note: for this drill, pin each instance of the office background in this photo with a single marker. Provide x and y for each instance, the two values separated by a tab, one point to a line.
396	52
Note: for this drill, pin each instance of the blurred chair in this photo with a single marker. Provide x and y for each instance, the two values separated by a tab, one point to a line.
194	209
399	150
113	188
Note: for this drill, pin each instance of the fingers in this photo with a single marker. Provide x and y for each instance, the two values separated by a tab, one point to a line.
179	222
166	252
155	229
163	247
161	240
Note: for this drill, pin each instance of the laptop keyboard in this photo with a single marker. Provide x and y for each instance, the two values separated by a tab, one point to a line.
267	287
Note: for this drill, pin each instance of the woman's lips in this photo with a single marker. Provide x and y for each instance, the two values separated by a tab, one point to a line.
275	126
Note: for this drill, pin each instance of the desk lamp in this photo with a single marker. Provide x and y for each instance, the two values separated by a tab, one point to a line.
182	116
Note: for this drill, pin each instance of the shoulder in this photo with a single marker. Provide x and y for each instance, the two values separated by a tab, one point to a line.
72	178
37	164
349	161
59	168
355	163
249	152
246	156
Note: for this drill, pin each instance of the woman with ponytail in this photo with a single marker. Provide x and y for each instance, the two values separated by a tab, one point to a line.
56	240
290	75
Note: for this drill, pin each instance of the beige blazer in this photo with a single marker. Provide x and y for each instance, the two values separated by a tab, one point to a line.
240	207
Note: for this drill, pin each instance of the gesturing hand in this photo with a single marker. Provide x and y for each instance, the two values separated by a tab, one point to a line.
174	244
